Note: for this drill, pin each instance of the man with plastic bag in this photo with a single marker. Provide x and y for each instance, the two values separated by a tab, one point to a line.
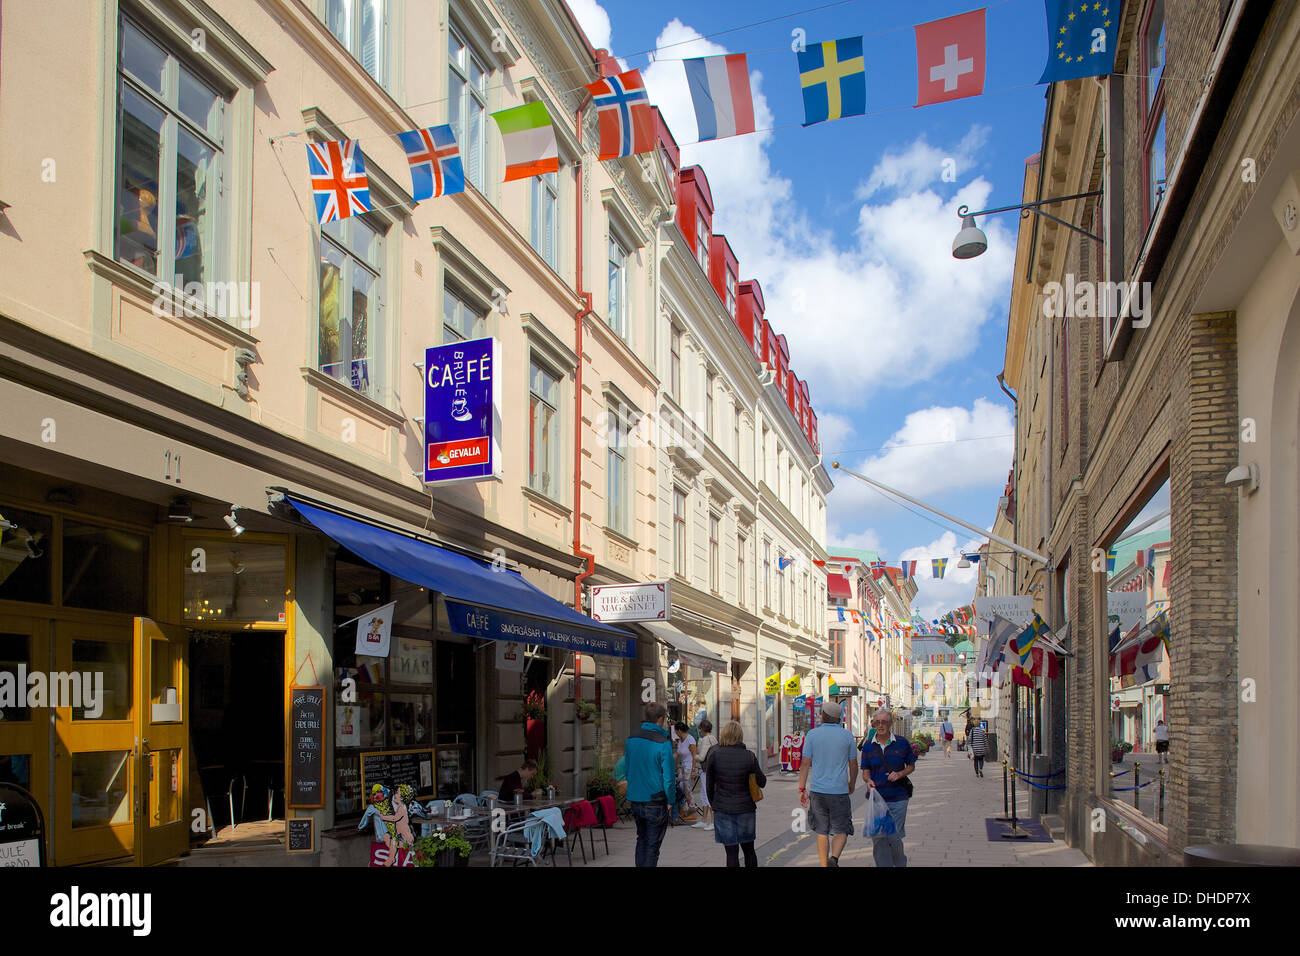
887	761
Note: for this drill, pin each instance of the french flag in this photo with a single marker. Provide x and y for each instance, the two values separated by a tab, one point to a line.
724	104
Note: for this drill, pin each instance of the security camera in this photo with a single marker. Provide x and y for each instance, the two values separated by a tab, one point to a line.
1245	477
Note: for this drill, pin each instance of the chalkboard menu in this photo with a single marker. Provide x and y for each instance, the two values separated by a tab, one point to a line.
393	768
299	839
22	828
306	747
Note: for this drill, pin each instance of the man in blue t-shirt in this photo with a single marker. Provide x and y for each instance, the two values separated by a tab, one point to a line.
886	763
828	752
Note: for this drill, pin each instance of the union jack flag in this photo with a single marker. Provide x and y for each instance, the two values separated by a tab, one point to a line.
436	168
623	109
338	179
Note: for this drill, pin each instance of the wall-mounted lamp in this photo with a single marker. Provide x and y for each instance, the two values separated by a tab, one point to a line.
235	527
1245	477
971	241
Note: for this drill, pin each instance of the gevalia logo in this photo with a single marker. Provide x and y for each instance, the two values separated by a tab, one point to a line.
77	909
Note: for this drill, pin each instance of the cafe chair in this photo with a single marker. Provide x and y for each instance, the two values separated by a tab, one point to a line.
230	797
607	816
578	817
522	842
468	800
487	795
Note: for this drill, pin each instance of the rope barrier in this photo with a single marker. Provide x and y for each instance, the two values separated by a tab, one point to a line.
1126	789
1040	776
1121	773
1030	783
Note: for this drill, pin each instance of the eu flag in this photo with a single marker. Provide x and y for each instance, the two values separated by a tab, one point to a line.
834	80
1080	38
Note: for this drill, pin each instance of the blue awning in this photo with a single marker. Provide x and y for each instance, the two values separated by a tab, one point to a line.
481	602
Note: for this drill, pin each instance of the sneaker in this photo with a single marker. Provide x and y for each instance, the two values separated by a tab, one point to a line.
698	825
833	861
708	826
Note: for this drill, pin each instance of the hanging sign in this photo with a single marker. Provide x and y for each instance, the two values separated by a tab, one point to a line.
630	602
773	684
462	411
793	685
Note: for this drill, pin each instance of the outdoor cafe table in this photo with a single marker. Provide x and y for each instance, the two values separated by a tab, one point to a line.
516	813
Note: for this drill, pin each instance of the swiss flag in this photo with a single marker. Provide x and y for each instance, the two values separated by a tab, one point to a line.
950	56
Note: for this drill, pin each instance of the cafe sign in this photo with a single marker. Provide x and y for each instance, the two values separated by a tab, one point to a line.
630	602
462	411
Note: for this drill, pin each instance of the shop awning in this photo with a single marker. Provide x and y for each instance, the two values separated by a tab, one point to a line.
481	602
689	650
837	585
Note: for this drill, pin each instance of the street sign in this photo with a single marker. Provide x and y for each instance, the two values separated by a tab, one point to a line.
462	411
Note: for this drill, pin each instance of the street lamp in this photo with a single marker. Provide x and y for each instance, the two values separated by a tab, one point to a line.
971	241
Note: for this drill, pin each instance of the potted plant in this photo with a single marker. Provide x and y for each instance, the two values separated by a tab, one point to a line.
585	710
445	846
1118	748
534	724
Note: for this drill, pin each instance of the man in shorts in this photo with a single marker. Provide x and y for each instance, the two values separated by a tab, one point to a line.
827	776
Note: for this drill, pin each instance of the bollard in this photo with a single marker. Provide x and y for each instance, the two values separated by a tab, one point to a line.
1137	767
1006	814
1015	833
1160	818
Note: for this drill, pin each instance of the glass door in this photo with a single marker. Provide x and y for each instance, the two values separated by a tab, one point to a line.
162	826
95	745
24	729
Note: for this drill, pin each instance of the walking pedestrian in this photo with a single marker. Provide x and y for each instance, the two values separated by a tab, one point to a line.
706	743
1162	741
728	768
828	749
651	784
946	731
886	763
979	746
686	751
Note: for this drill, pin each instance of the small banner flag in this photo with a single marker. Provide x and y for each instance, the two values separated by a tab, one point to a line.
841	613
909	569
937	567
877	570
627	124
1080	38
834	80
783	562
374	631
773	684
834	688
434	157
528	136
793	685
950	55
1110	561
720	93
338	179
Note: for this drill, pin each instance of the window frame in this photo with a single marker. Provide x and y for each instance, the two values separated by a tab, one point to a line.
741	541
836	641
616	484
538	479
350	44
620	319
470	95
675	362
710	385
767	573
702	241
731	293
780	583
715	552
543	190
680	531
463	300
375	265
1152	110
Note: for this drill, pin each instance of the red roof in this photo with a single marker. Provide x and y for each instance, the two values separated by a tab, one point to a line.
837	585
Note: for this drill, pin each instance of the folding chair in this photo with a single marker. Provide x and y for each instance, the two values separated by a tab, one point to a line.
578	817
515	842
606	816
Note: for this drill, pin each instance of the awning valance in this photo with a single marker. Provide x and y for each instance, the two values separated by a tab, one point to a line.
837	585
689	650
481	602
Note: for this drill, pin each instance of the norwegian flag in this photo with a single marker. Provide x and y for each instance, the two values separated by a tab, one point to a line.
877	570
338	179
436	168
623	109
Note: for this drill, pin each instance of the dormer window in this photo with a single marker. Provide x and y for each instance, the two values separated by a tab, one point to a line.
702	242
731	293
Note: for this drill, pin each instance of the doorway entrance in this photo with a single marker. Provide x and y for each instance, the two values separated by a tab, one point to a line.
237	729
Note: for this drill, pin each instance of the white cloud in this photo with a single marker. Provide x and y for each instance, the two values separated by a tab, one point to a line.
865	540
593	19
957	587
920	164
834	431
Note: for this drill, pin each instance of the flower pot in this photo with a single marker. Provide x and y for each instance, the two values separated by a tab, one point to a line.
534	736
1117	756
450	858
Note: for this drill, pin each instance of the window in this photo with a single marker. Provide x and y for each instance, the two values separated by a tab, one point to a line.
767	573
169	164
780	583
1152	52
702	242
616	464
543	430
545	227
710	383
679	532
460	320
740	570
619	306
803	597
758	337
350	346
675	363
735	433
731	293
359	26
467	107
715	524
837	649
766	469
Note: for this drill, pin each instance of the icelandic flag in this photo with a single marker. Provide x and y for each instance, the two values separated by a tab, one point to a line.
724	105
623	110
1080	40
436	168
937	567
841	612
834	80
909	569
783	562
338	179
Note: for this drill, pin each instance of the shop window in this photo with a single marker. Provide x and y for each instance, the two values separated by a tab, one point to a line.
105	569
26	564
15	652
1140	645
170	198
112	659
235	581
350	340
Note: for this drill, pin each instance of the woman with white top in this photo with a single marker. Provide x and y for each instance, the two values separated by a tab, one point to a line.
686	756
707	741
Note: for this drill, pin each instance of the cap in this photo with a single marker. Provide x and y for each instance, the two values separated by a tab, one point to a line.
831	709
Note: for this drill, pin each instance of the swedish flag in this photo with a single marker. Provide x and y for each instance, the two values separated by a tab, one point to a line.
834	80
1027	638
1081	38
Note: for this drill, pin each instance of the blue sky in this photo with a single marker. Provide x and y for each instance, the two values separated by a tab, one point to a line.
848	226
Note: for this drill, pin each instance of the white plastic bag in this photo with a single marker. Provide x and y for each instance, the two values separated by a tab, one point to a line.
879	821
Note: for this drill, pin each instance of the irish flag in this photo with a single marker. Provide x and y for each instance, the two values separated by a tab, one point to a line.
529	139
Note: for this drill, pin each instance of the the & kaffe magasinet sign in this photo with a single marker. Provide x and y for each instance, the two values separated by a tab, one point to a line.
630	602
462	411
